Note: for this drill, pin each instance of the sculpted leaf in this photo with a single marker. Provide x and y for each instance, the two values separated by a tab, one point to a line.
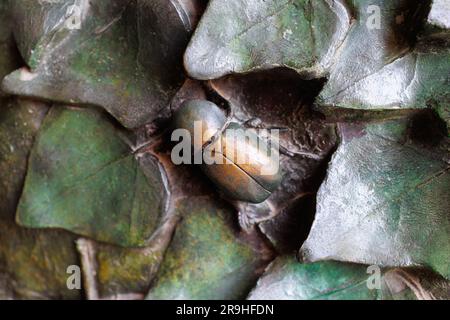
239	36
124	56
385	200
83	177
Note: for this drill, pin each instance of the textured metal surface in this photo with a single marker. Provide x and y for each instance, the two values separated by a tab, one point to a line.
252	154
109	176
385	200
234	182
211	118
280	99
133	78
286	279
240	180
238	36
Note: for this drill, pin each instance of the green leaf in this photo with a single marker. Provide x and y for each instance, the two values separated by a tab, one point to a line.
207	258
20	121
239	36
121	272
377	69
83	177
125	270
385	200
33	263
125	57
416	80
287	279
33	20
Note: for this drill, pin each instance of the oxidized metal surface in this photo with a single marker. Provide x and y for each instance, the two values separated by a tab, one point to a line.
235	182
249	152
206	113
238	36
246	168
341	81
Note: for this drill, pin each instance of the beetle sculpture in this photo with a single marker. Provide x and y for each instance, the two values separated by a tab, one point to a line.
237	160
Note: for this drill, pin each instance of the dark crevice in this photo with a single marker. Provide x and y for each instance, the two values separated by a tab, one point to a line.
427	129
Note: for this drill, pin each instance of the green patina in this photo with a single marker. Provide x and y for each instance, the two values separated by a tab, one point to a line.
287	279
125	270
34	262
393	203
206	259
79	169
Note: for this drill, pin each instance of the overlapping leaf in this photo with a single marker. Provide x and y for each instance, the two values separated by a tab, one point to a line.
376	69
239	36
437	27
124	273
122	55
207	259
33	263
83	177
416	80
20	121
286	279
385	200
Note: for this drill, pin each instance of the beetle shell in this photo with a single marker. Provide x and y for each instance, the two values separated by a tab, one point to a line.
211	117
253	148
238	180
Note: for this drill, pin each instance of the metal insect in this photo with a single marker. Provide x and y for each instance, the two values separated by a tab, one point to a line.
239	162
